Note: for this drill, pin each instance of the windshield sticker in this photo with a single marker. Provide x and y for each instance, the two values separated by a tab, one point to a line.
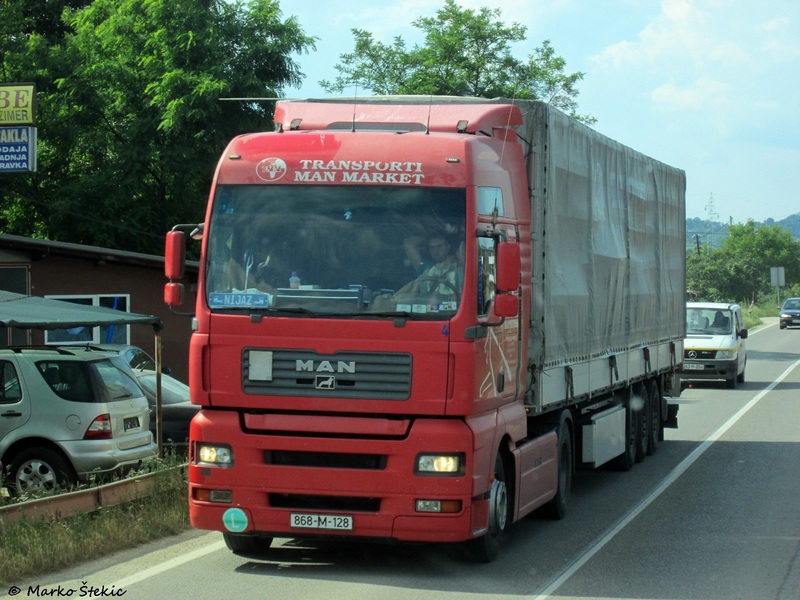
237	299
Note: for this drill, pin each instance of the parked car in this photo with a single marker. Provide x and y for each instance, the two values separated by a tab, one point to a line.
177	410
67	415
790	313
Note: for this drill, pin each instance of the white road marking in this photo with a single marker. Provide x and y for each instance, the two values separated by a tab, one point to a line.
679	469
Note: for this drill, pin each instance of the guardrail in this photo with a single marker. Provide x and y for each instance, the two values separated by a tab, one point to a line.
88	500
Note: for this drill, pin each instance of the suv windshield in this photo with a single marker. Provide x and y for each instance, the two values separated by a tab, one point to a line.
336	250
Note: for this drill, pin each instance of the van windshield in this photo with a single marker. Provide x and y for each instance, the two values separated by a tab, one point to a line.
336	250
709	321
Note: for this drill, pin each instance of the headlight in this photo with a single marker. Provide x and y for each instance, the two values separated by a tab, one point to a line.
726	354
214	455
440	464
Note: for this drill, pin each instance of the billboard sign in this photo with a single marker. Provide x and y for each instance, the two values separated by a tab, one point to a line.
17	104
17	149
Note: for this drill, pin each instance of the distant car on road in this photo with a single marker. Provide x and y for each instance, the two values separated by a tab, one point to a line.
790	313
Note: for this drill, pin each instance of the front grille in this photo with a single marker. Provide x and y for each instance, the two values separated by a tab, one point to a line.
700	354
325	503
326	460
341	375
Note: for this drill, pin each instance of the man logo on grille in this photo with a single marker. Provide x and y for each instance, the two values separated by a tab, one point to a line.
325	382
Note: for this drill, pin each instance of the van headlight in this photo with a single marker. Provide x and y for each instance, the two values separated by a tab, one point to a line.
726	354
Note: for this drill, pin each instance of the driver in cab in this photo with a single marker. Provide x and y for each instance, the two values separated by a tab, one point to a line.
435	279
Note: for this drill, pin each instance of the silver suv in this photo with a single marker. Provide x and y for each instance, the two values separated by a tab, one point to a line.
66	415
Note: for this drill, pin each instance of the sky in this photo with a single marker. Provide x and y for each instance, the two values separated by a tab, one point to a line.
709	86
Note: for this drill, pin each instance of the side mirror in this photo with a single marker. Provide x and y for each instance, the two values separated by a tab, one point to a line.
173	294
743	334
506	305
175	254
508	267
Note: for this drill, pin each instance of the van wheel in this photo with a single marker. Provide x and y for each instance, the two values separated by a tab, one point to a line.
731	383
740	378
39	470
487	547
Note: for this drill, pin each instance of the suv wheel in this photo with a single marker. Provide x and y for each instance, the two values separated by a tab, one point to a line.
39	469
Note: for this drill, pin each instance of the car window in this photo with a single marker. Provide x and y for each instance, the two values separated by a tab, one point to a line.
138	359
117	383
172	390
68	379
10	390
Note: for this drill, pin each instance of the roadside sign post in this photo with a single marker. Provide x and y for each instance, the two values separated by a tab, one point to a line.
778	278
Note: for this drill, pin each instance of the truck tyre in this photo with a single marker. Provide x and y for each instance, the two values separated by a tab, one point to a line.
654	424
244	544
486	548
640	399
626	460
557	507
39	469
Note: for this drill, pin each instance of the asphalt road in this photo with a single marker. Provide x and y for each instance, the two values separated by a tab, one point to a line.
714	514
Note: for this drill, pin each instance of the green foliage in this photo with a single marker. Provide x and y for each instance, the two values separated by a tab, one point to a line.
465	53
130	118
739	270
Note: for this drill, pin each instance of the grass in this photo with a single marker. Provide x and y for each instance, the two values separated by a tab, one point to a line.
753	315
33	546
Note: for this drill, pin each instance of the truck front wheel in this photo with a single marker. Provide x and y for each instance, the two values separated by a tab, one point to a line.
487	547
557	507
244	544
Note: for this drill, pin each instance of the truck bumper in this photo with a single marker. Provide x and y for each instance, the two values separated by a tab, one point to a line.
370	479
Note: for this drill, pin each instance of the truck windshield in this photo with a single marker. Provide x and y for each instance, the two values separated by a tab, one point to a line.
336	250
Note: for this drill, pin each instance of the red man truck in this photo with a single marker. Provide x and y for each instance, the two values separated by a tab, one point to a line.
417	317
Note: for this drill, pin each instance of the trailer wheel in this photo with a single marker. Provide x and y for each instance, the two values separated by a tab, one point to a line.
626	460
654	425
557	507
640	399
244	544
487	547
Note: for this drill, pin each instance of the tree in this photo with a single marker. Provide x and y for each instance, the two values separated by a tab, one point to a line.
465	53
130	118
739	270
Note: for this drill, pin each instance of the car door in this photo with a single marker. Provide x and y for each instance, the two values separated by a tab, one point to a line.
15	408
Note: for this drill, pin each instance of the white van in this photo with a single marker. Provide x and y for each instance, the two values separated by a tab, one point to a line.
714	347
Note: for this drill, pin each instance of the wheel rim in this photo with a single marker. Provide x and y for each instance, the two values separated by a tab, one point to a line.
498	507
36	474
